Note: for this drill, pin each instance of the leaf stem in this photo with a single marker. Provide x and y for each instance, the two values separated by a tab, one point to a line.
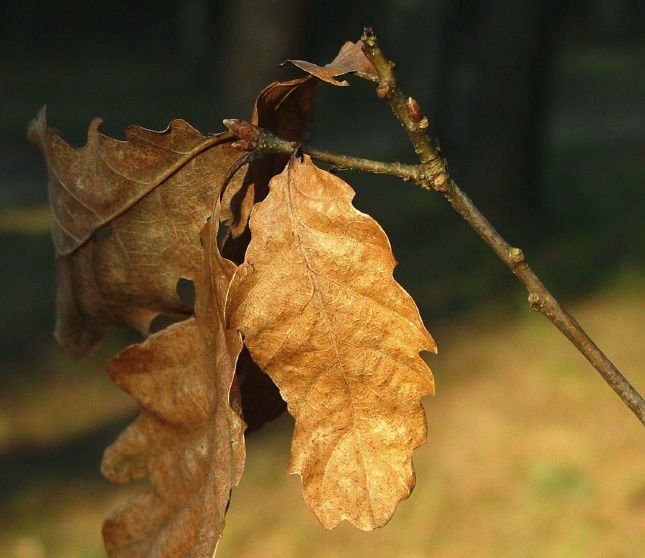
540	299
260	141
338	162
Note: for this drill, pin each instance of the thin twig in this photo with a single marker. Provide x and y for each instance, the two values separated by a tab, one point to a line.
433	175
260	141
414	173
540	299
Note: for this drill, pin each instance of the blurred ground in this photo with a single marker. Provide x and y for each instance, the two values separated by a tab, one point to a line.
529	452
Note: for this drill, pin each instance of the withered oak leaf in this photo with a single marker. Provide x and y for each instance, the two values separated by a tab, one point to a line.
189	437
349	60
321	313
127	220
128	213
286	109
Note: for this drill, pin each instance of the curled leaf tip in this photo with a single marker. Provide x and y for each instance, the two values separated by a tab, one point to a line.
349	60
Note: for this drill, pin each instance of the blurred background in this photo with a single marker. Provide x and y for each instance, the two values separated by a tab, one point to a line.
539	107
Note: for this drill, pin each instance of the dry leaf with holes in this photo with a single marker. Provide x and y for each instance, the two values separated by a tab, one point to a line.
127	221
189	437
326	328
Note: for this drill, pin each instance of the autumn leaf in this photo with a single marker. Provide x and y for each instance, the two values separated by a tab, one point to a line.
93	185
128	213
127	221
286	109
350	60
189	437
321	314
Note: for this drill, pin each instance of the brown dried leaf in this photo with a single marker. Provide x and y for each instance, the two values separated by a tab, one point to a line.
93	185
286	109
350	60
127	221
321	313
189	437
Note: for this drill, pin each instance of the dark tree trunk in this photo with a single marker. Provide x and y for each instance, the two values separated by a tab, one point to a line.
259	36
497	60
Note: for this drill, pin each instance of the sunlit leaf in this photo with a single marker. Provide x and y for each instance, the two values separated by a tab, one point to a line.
322	315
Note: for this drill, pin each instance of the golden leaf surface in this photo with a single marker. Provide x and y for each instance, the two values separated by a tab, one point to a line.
189	437
321	313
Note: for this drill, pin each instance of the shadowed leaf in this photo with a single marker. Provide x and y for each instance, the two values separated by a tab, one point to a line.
286	109
189	437
127	222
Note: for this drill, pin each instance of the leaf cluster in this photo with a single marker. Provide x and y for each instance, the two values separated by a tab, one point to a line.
295	305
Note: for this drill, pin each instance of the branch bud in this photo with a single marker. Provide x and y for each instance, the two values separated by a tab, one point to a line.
384	91
414	110
248	134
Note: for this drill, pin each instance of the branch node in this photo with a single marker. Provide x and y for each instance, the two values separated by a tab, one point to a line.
258	140
535	302
441	182
248	135
516	255
384	91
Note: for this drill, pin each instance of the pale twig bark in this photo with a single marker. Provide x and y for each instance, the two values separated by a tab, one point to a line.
432	174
